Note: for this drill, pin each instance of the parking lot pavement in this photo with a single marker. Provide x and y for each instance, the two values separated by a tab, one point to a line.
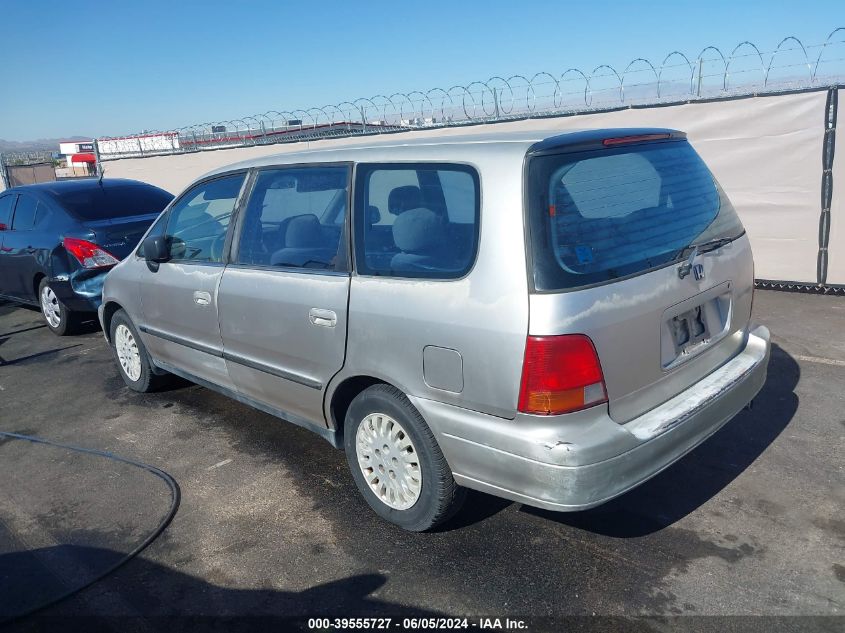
751	522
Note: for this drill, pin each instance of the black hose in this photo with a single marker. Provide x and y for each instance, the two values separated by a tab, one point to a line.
175	498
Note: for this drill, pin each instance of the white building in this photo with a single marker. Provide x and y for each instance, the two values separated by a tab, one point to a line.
79	157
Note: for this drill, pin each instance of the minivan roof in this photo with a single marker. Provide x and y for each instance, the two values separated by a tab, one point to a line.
402	146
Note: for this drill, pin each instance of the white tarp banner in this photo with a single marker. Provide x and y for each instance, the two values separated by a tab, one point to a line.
765	151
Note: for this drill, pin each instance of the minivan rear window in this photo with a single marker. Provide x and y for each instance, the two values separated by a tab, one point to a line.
105	203
600	215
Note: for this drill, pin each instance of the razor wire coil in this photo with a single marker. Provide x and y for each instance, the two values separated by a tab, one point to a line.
745	70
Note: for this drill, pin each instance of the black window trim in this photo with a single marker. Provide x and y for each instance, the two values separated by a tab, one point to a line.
342	267
447	165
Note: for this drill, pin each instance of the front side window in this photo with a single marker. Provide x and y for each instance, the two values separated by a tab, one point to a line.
600	215
198	222
295	218
25	212
416	220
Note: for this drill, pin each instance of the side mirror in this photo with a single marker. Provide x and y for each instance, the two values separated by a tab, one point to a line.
156	249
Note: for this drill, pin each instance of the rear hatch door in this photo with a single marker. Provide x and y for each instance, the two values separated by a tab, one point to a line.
613	230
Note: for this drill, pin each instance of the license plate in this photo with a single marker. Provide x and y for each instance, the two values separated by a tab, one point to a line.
689	330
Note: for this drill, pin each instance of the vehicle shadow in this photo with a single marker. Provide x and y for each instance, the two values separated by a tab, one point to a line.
703	473
148	591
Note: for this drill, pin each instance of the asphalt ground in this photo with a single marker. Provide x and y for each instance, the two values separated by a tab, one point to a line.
751	523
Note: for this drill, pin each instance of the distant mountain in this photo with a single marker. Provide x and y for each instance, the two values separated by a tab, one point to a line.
39	145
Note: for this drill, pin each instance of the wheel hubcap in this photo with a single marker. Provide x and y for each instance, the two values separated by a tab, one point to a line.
50	307
389	461
127	352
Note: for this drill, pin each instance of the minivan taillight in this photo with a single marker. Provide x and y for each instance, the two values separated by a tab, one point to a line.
89	254
560	374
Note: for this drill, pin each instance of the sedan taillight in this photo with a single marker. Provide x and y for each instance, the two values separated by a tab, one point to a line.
89	254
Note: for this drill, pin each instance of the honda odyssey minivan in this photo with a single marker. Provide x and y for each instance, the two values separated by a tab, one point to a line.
550	318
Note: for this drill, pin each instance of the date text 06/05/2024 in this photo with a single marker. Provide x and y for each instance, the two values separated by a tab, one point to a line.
415	624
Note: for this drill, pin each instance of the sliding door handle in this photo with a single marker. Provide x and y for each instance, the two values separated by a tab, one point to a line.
324	318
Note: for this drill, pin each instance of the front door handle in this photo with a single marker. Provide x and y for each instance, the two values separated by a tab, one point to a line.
202	298
324	318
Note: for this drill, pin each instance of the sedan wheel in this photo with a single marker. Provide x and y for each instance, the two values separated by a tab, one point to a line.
127	352
50	306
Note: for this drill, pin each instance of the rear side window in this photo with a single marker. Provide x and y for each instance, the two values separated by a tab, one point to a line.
601	215
416	220
6	203
103	203
25	212
295	218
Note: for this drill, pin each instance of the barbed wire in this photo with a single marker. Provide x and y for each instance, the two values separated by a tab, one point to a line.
678	78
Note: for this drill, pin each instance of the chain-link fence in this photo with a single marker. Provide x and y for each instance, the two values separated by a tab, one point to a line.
678	78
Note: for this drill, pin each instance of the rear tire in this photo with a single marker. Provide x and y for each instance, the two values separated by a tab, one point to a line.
59	319
133	360
396	462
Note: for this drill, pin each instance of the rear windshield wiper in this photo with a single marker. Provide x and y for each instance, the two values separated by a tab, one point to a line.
696	249
704	247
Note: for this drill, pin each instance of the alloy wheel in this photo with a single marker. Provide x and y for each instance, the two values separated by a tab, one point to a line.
50	307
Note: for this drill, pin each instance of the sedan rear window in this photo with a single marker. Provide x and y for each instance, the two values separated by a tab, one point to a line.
103	203
605	214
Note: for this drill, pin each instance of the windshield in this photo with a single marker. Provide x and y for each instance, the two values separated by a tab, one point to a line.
104	203
605	214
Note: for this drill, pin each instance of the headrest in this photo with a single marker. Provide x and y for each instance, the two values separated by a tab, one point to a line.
402	199
418	230
373	214
303	232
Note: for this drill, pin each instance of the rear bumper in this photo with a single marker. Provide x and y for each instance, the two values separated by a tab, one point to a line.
582	460
81	290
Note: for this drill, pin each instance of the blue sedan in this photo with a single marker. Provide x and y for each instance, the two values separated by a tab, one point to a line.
59	239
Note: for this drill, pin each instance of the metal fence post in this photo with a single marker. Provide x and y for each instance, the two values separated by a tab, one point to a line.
698	90
3	173
98	164
828	149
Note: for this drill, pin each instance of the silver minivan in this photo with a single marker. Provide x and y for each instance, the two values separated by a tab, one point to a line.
550	318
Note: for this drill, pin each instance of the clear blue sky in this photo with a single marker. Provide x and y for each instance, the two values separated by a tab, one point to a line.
112	67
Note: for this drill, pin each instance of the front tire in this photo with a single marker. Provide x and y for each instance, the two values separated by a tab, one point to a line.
131	356
59	319
396	462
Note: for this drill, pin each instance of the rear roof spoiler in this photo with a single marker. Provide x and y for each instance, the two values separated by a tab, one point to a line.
598	139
